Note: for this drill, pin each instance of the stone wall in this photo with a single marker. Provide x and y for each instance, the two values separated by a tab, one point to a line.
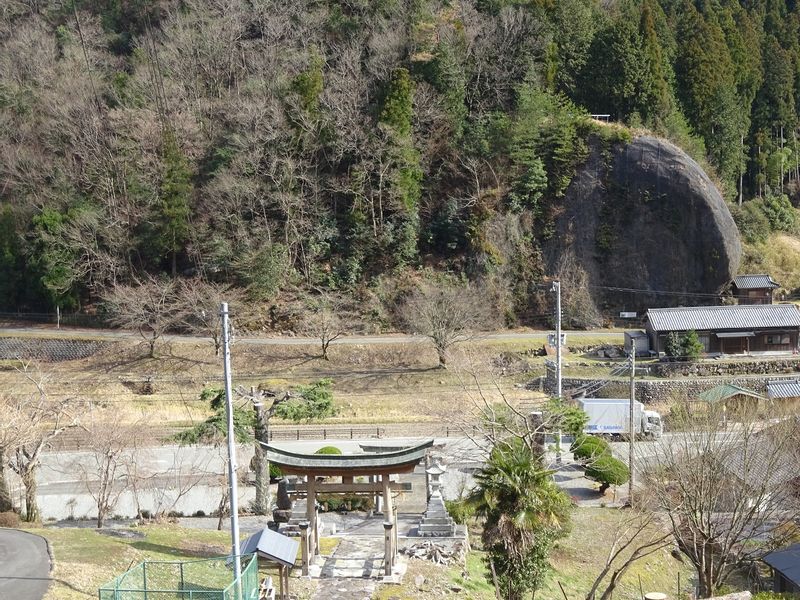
656	391
713	368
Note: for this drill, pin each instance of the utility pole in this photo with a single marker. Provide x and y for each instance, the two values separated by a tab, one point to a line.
226	346
557	289
631	428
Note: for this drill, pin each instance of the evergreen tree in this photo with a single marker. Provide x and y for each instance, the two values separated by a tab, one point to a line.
308	84
691	346
616	81
575	23
173	209
398	104
10	276
401	234
659	102
775	104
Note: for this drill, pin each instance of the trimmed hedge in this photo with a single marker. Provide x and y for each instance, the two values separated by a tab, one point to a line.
608	471
588	446
328	450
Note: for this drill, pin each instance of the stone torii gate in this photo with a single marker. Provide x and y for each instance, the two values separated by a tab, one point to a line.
378	466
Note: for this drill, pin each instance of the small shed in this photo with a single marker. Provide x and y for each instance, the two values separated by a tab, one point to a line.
785	566
754	289
276	548
639	340
734	400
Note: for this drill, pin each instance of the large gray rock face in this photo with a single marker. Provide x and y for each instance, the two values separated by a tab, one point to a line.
644	215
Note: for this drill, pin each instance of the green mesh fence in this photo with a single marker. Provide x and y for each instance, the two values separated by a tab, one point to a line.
210	579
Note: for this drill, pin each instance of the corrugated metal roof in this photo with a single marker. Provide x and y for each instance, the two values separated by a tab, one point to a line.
273	546
726	391
754	282
783	389
786	562
712	318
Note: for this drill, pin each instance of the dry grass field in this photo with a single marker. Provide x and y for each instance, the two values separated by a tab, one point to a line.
372	383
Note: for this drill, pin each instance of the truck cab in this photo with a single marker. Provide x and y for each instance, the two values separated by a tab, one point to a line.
652	424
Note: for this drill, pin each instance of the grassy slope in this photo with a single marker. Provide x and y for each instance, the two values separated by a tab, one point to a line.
372	383
779	256
576	562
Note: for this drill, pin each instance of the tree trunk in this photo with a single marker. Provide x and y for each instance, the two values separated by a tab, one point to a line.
495	582
31	506
261	504
6	504
222	509
442	352
325	344
707	583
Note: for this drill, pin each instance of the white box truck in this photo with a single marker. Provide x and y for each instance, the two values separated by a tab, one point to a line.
610	416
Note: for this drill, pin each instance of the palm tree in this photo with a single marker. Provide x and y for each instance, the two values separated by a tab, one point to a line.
524	513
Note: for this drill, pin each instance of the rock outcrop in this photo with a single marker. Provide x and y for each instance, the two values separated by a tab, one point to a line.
643	215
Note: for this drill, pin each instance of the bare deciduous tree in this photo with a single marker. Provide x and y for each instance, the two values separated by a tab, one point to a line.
151	307
46	419
200	301
729	495
578	307
32	420
637	536
112	450
166	487
327	319
446	314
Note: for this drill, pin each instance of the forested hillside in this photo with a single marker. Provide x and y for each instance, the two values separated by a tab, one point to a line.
284	147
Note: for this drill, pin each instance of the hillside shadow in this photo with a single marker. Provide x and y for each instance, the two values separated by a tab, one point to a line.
208	551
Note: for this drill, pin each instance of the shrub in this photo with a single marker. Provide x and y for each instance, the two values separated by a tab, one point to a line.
753	224
776	596
691	346
275	472
672	346
589	446
779	211
328	450
460	511
608	471
344	502
9	519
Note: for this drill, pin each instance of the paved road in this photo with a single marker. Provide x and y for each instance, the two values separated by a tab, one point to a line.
24	566
50	331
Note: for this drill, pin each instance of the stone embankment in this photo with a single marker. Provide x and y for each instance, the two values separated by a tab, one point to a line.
682	381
